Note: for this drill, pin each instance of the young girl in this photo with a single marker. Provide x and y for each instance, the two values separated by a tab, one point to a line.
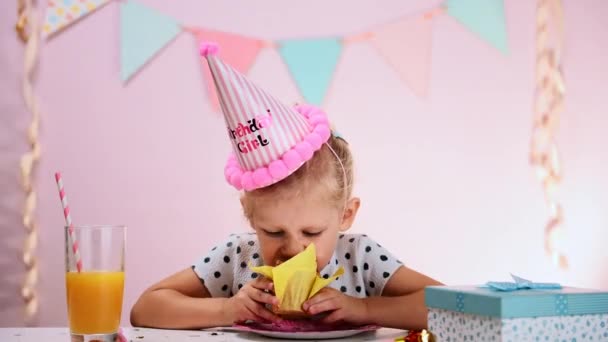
298	181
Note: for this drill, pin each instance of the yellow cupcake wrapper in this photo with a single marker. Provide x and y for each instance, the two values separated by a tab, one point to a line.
297	280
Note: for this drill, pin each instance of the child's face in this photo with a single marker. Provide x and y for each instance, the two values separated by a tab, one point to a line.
286	227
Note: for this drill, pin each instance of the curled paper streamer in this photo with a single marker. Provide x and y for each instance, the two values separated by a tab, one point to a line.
296	280
548	104
28	30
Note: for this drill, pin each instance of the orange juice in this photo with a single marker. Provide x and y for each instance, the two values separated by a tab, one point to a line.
94	301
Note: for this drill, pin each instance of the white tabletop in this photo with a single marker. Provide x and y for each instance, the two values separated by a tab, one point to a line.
153	335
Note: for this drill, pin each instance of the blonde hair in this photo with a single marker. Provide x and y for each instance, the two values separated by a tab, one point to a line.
331	166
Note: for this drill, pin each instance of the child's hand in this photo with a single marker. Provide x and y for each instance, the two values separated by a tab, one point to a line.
249	302
343	307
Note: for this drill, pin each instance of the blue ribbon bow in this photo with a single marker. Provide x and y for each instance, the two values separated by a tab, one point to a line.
521	284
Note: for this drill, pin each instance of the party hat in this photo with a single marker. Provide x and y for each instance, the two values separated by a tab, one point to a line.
270	140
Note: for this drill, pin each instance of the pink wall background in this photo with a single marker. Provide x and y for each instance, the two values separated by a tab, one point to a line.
464	205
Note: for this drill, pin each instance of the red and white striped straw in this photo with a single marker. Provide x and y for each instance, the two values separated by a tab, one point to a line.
68	220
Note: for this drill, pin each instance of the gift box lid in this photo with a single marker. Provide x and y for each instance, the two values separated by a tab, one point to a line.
521	303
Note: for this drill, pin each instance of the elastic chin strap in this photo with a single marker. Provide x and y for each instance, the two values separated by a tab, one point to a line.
344	174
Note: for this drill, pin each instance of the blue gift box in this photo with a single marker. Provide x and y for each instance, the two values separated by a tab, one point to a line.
473	313
520	303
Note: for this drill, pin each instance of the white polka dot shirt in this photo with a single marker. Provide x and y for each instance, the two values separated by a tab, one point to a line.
367	265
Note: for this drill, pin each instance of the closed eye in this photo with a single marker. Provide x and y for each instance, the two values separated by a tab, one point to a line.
273	234
313	233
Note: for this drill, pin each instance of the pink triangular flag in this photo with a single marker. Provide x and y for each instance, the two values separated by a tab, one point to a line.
237	50
406	46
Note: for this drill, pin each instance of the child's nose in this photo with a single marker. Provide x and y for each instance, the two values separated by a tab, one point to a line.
292	248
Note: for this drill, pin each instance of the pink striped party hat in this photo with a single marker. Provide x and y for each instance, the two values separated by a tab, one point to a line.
270	140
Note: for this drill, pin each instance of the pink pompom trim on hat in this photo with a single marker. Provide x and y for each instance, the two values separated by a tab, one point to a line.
246	182
261	177
290	161
208	48
235	180
314	140
278	169
304	149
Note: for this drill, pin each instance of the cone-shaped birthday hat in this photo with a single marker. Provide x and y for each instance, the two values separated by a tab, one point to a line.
270	140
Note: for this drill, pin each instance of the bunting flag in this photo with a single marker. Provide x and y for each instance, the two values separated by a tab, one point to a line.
484	17
143	33
61	13
406	46
238	51
312	63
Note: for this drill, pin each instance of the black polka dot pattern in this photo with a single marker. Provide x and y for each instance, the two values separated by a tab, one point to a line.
368	266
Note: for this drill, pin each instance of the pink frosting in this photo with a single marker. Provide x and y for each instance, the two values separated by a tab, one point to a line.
290	161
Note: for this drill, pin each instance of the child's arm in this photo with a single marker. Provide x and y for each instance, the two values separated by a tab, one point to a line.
400	306
181	301
402	302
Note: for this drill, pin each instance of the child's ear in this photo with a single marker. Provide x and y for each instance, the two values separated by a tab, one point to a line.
350	212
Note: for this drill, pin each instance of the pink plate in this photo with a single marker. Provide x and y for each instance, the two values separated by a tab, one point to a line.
303	330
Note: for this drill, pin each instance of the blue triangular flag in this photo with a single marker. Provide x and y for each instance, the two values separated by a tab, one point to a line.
143	32
484	17
312	63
